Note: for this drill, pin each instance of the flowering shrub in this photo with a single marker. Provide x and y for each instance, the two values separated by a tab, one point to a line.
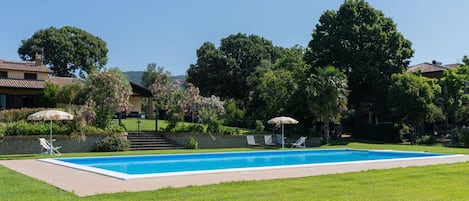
171	98
110	91
191	97
212	103
209	109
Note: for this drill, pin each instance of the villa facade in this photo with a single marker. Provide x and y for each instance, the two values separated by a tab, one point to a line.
20	81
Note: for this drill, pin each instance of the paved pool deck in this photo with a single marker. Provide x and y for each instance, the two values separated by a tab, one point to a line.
84	183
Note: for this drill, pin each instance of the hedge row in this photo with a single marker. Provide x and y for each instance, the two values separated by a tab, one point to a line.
35	128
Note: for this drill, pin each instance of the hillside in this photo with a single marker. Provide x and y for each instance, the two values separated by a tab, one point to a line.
136	77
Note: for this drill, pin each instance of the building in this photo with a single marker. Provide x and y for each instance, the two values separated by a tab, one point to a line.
20	81
432	70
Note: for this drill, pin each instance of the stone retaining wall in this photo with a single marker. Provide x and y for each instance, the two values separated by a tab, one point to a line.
207	141
30	144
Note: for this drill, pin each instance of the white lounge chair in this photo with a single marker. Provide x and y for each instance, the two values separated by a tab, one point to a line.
300	143
268	140
251	140
47	148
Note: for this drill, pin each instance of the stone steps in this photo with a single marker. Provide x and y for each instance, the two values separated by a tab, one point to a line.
149	141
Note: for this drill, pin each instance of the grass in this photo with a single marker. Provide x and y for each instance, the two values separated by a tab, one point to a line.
435	182
145	124
149	125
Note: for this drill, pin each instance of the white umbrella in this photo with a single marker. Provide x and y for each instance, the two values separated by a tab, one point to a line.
50	115
281	121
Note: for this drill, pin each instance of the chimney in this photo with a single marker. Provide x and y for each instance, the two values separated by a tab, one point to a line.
38	60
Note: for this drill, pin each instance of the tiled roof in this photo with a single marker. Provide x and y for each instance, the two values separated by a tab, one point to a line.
426	67
430	67
21	84
61	81
27	66
452	65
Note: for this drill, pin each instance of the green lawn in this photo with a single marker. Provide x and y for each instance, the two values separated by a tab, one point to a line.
149	125
145	124
436	182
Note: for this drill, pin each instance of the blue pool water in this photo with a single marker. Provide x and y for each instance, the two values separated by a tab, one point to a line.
185	163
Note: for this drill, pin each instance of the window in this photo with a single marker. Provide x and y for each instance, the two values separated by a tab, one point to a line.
30	76
3	74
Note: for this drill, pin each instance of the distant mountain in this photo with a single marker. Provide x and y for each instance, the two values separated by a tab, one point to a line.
136	77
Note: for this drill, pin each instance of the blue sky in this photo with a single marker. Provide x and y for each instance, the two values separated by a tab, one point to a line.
169	32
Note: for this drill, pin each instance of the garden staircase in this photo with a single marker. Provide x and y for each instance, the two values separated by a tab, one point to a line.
149	141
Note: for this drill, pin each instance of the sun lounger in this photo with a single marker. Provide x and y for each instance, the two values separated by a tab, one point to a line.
300	143
47	148
268	140
251	140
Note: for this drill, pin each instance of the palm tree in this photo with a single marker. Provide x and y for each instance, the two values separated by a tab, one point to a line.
327	95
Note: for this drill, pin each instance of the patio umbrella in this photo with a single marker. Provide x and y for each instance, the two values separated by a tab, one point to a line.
50	115
281	121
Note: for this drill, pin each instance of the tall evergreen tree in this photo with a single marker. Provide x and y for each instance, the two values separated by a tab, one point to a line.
363	43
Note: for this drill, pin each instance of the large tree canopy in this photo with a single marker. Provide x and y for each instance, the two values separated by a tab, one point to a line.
412	98
66	50
223	71
275	86
365	44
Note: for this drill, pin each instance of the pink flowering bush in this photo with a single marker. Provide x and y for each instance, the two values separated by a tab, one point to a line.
110	91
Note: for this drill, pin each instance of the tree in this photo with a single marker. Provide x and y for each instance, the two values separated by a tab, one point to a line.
327	96
275	86
48	97
72	93
412	96
223	71
66	50
454	82
108	92
276	90
363	43
151	74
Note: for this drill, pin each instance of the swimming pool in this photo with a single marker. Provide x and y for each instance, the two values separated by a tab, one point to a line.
132	167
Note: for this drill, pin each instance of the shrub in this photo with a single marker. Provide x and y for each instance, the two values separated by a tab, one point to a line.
192	144
37	128
195	128
3	127
110	91
426	139
465	136
259	126
15	115
230	131
48	96
112	143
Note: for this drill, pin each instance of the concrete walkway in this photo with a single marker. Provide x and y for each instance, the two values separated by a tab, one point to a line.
84	183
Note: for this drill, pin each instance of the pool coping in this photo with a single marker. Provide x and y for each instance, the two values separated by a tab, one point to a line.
84	183
125	176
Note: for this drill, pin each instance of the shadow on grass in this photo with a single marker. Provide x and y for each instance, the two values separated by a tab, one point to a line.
339	142
347	140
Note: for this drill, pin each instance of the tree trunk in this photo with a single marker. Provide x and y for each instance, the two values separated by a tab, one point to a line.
326	130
